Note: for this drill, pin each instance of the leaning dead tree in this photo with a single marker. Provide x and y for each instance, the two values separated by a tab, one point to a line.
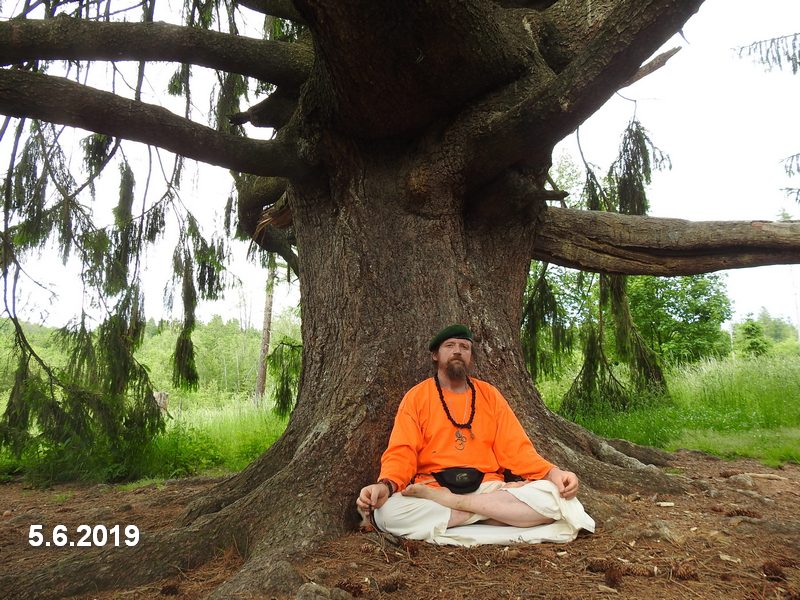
409	169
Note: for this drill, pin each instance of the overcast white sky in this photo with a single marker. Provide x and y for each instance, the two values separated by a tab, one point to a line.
725	123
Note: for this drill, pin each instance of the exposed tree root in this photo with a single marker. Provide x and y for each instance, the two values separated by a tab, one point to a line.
644	454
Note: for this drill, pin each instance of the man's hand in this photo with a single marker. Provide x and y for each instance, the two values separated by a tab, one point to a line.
565	481
372	497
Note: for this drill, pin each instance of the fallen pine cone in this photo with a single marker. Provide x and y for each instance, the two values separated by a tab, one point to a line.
729	473
503	556
743	512
598	565
637	570
391	583
684	571
613	576
773	571
354	588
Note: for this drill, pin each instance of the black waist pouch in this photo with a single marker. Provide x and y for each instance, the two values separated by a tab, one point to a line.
459	480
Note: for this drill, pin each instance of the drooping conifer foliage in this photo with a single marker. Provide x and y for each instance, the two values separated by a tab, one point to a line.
102	396
548	333
283	365
776	53
628	177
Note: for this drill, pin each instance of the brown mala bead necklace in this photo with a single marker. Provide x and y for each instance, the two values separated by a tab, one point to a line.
468	424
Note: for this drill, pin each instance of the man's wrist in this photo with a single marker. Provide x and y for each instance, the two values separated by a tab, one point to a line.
389	484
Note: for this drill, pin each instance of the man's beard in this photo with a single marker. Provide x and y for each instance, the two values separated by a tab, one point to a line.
456	369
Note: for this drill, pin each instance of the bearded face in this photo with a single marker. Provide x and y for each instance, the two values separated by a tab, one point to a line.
456	356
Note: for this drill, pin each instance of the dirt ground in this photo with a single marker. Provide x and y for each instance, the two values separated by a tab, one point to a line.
735	534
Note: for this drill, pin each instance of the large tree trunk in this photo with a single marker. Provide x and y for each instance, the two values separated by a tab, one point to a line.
378	281
382	272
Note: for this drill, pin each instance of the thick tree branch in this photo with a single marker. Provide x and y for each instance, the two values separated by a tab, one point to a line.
522	122
24	94
255	194
633	245
574	22
283	9
64	38
516	196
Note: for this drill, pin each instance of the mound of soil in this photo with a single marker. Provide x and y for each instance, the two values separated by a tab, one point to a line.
735	534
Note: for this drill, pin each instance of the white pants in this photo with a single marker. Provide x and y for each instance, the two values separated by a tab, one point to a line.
422	519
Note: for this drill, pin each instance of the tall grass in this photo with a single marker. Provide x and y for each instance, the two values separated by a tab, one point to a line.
239	433
735	395
748	407
210	440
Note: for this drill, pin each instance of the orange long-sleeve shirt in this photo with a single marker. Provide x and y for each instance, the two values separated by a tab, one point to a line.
424	441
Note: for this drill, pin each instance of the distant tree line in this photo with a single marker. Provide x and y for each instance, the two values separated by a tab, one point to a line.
226	354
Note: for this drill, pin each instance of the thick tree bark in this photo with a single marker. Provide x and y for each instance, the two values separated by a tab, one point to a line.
474	48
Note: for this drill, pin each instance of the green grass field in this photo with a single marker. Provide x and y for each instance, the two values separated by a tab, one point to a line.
228	437
729	408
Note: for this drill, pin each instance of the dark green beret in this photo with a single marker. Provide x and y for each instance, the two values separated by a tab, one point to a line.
458	331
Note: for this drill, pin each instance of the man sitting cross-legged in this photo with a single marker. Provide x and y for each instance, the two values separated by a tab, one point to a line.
461	432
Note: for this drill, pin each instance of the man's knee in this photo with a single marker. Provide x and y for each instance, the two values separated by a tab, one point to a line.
413	518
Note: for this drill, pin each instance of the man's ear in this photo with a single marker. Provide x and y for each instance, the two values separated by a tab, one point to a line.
435	356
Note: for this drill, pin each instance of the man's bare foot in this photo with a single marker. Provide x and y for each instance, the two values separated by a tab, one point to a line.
441	496
421	490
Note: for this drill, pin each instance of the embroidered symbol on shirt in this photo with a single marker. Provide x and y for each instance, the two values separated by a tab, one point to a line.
461	441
